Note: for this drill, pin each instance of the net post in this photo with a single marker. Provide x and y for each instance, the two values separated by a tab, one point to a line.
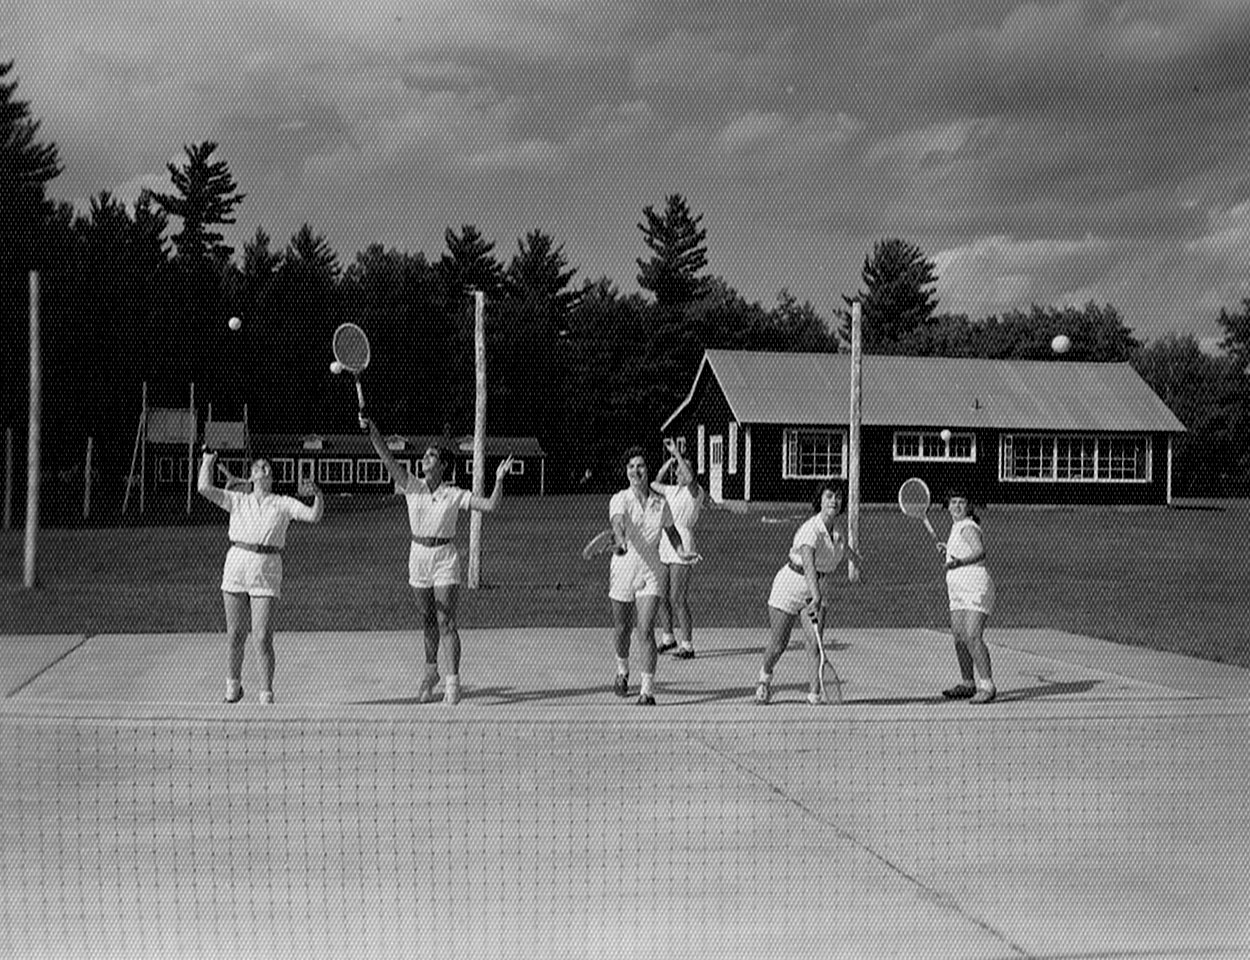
479	437
35	428
852	472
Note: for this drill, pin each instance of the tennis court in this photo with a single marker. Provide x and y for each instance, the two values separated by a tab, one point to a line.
1096	810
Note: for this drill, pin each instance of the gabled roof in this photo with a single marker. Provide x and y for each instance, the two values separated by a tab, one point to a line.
815	388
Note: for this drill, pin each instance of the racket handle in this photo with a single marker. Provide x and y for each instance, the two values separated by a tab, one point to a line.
929	526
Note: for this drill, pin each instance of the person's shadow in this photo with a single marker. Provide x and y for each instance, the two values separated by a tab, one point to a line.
1048	688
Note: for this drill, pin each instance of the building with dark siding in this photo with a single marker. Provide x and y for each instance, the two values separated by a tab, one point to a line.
765	426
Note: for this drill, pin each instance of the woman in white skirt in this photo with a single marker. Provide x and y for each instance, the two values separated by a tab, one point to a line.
685	500
251	580
818	547
971	593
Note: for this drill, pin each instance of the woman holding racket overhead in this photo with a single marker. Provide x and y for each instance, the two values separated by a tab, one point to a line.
639	517
685	501
433	562
971	593
798	588
252	579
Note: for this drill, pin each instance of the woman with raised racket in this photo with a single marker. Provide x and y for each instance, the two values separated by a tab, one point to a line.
971	593
251	580
685	501
433	561
799	587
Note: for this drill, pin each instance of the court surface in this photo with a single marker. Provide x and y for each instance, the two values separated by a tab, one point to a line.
1098	809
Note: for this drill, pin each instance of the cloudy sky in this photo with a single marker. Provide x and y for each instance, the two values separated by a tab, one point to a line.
1045	153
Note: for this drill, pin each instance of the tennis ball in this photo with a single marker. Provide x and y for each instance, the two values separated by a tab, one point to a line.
235	323
336	367
1061	343
945	435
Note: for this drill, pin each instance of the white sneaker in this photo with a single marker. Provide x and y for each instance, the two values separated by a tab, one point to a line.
451	694
266	696
763	694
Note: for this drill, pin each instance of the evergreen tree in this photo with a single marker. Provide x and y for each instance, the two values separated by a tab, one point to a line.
678	254
897	298
206	197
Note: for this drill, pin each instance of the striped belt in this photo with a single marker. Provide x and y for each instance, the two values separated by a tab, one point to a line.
432	541
255	547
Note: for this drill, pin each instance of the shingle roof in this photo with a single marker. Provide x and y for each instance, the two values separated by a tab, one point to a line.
815	388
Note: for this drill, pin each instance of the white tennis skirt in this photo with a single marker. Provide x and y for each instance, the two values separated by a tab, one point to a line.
970	588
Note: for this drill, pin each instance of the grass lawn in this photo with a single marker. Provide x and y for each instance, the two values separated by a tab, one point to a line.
1168	579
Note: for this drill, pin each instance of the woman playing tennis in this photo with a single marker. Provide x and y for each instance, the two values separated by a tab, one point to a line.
798	588
433	561
971	593
685	501
639	517
252	579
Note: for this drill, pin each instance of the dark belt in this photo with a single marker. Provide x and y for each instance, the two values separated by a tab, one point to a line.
798	568
432	541
255	547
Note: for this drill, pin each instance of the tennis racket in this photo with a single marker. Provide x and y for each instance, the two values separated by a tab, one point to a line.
914	500
351	349
601	543
829	684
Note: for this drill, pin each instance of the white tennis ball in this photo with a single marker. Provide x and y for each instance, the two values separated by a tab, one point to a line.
1061	343
235	323
945	435
336	367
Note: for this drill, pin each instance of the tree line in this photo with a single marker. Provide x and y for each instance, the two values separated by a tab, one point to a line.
141	293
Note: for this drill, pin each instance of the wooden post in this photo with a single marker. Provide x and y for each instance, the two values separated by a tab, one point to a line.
191	432
8	478
479	436
134	455
86	483
852	473
34	428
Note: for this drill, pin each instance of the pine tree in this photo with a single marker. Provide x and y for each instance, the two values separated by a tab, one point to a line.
678	254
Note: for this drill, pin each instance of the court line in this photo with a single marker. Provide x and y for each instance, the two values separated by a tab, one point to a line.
47	666
924	890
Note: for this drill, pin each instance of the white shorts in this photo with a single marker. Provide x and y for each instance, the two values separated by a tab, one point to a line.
256	574
631	577
970	588
433	566
789	593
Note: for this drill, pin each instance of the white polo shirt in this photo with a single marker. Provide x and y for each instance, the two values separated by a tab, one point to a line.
645	521
433	514
685	508
826	547
262	519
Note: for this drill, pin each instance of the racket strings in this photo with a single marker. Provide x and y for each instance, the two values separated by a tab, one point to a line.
913	498
351	347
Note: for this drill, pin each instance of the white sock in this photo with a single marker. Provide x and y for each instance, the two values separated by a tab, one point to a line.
622	666
984	684
665	639
266	696
453	679
233	687
648	684
765	677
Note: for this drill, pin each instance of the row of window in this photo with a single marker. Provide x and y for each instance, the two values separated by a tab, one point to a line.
328	470
816	454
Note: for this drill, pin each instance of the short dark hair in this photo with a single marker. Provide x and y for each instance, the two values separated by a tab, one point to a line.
630	453
959	490
836	486
445	455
